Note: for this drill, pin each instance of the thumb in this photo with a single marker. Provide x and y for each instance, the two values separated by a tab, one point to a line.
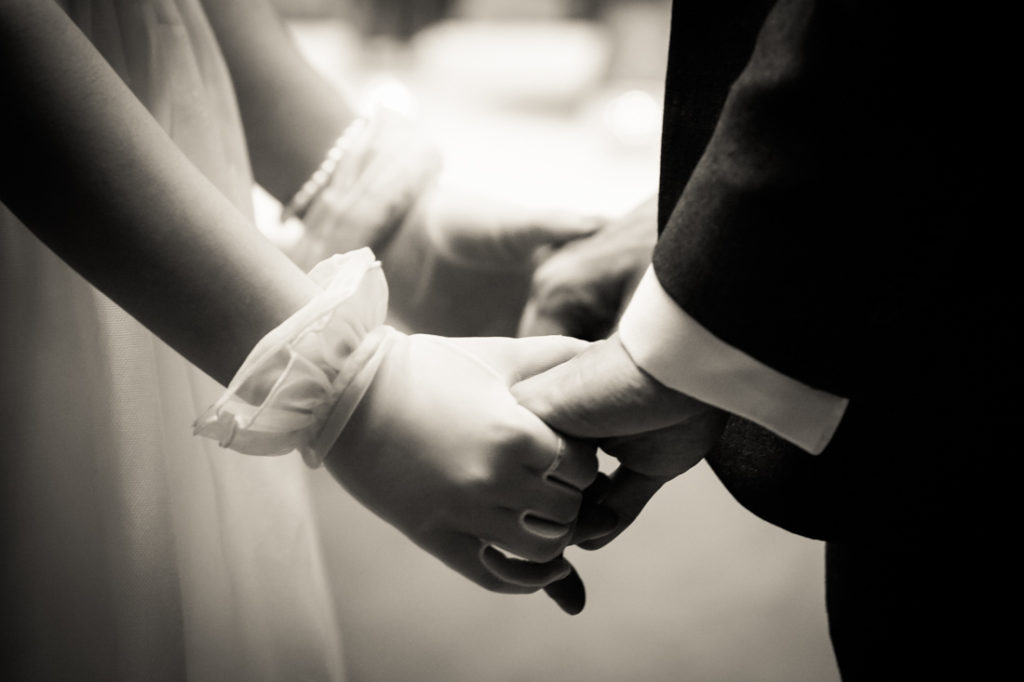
518	359
626	496
568	593
601	393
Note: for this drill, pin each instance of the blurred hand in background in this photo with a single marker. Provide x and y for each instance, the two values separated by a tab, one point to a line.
582	288
458	263
462	263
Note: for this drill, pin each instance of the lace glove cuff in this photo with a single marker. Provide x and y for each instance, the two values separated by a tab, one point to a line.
301	383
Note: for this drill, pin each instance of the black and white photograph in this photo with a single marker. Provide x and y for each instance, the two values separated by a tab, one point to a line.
506	341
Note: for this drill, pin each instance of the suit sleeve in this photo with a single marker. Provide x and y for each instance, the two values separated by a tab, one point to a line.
664	341
771	246
845	226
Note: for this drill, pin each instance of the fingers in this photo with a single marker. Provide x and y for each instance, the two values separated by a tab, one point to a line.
531	356
567	397
568	592
594	519
530	535
524	573
668	452
463	553
602	393
558	577
538	319
548	500
561	480
537	519
650	459
517	359
581	289
489	568
580	312
545	528
522	512
626	496
493	570
572	296
575	465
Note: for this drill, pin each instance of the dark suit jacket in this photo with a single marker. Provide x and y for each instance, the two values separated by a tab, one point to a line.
830	215
827	206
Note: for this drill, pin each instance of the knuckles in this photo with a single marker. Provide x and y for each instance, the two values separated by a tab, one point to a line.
518	444
583	463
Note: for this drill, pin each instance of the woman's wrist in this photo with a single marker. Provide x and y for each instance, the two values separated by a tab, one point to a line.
374	187
299	203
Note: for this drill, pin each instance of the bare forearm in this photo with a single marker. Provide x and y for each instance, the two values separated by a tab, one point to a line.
291	114
92	174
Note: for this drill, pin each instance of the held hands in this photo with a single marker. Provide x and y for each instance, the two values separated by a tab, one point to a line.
439	448
421	429
656	433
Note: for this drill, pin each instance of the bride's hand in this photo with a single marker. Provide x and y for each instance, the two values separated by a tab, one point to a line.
439	448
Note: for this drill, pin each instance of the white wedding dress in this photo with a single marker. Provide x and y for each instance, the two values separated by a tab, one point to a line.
131	549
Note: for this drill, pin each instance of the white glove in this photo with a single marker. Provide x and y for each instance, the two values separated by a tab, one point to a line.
422	429
439	448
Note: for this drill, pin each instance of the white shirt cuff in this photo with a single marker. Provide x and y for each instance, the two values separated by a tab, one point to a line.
676	350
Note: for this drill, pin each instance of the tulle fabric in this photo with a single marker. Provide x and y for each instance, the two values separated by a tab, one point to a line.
298	387
133	550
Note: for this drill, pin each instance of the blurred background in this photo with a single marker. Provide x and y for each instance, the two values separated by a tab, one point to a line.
552	103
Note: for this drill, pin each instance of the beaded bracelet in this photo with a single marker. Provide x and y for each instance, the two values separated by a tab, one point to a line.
298	204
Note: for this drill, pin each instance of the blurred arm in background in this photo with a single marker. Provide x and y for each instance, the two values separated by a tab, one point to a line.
457	264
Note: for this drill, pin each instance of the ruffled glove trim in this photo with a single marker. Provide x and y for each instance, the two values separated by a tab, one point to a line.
301	383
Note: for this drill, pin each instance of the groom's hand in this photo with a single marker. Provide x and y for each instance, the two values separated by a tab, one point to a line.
582	288
656	433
